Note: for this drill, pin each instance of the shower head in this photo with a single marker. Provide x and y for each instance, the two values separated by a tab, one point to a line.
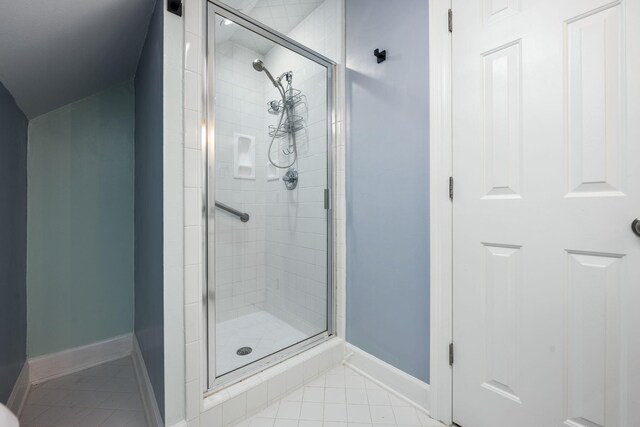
258	65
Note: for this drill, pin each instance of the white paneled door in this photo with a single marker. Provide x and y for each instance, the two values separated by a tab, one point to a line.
546	159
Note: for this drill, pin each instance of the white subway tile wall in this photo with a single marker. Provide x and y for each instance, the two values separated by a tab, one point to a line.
239	246
296	237
193	119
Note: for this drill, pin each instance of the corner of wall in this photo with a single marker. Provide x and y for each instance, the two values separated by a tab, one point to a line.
173	195
149	213
13	239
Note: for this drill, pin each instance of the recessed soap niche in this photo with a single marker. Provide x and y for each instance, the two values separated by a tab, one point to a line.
244	156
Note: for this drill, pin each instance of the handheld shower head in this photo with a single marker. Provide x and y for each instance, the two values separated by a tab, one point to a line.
258	65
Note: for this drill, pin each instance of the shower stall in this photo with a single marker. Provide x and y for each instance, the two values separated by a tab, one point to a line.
268	180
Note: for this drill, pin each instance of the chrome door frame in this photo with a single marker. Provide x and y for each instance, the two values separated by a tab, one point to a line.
216	7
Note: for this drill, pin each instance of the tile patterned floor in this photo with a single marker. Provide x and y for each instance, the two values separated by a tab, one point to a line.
103	396
341	398
262	331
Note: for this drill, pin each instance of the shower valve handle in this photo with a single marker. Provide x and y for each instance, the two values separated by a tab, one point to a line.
290	179
635	227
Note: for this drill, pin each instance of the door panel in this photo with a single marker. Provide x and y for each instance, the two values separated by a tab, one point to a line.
546	133
594	92
593	338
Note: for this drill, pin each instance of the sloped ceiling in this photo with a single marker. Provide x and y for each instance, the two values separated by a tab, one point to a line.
53	52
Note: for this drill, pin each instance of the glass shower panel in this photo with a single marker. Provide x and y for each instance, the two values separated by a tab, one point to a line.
267	181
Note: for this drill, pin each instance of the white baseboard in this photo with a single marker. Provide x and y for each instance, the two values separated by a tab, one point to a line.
20	391
146	389
66	362
391	378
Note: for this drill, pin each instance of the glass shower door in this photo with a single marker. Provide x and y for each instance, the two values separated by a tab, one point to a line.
268	175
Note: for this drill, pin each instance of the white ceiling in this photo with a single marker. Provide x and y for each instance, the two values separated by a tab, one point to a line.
53	52
281	15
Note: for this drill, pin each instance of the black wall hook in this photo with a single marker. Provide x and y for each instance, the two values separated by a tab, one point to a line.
175	6
382	56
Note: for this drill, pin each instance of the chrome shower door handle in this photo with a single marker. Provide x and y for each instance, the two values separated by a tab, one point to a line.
635	226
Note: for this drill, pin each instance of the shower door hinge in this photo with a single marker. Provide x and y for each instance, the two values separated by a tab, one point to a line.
451	187
450	354
327	198
450	21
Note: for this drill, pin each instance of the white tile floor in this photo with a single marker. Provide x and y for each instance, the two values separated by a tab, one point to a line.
341	398
262	331
103	396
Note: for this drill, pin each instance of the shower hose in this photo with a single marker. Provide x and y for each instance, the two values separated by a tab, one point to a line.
285	110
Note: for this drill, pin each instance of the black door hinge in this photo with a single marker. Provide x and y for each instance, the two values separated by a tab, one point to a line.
175	7
450	21
450	354
451	187
327	199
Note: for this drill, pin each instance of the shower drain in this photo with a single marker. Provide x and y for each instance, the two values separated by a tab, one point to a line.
243	351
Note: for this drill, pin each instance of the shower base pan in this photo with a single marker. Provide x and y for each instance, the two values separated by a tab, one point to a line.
261	332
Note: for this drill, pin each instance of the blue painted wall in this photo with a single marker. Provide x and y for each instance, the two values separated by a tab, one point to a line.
13	242
80	223
388	182
149	317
